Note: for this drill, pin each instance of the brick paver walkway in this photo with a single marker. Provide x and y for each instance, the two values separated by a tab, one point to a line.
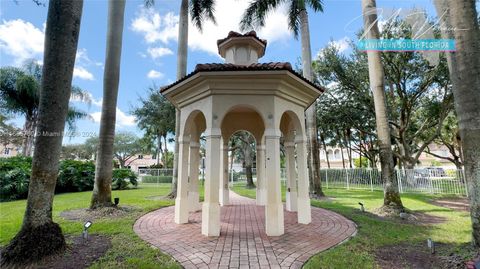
242	242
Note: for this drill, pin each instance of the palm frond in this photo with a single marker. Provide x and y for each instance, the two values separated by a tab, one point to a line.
75	114
294	18
81	95
202	10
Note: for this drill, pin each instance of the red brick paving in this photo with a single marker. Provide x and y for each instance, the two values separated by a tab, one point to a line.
242	242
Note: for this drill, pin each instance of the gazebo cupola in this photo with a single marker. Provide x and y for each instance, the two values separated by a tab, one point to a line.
241	49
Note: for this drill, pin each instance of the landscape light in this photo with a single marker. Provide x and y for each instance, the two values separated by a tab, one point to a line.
362	208
87	225
431	245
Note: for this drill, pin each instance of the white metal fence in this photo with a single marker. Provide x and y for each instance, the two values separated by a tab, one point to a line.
428	180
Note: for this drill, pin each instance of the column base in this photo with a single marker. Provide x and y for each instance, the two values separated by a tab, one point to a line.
304	211
224	197
194	201
211	219
260	196
274	225
181	210
291	201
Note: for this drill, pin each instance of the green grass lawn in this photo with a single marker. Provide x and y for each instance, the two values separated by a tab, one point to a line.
128	250
373	233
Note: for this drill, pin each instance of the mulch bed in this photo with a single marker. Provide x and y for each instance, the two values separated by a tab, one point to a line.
84	214
413	217
418	256
79	254
461	204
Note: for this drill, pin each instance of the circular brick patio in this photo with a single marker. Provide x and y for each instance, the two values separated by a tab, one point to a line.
242	242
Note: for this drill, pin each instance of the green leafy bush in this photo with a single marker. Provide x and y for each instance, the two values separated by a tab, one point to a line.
156	179
122	177
14	177
75	176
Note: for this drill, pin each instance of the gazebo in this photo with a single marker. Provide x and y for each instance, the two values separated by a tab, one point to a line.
266	99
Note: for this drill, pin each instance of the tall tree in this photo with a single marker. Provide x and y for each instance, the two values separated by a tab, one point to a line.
156	116
200	10
102	190
20	92
464	67
245	147
392	200
255	15
39	236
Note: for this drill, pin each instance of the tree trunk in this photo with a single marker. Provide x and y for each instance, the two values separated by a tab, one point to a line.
39	235
182	55
392	198
29	129
165	152
159	148
102	190
247	153
464	72
311	112
326	152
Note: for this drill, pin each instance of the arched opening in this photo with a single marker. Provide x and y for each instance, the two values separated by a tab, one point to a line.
242	130
297	184
337	155
190	156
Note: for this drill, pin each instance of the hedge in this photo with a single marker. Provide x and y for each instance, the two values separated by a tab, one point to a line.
73	176
156	179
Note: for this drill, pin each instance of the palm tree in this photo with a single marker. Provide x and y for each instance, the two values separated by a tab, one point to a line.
464	67
102	190
200	10
255	15
392	200
20	92
39	236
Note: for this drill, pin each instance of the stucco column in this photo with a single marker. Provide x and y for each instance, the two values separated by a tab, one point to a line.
303	206
274	225
193	197
211	206
181	202
260	174
291	194
224	194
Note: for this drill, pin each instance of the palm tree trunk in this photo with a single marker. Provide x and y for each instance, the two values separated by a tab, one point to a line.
39	235
29	129
248	164
392	198
322	138
102	190
159	148
464	71
311	112
181	72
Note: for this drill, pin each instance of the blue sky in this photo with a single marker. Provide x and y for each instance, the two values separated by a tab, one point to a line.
150	44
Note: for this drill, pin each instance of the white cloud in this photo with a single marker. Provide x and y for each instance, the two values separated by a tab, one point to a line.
341	45
82	58
122	118
164	28
81	72
155	27
21	39
155	74
159	52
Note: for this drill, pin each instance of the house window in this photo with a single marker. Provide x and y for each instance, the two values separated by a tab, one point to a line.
140	157
6	151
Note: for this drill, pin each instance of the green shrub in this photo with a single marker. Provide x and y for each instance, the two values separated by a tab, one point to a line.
122	177
14	177
156	179
75	176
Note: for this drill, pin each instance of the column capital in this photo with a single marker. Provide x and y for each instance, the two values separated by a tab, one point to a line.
213	133
194	144
183	140
272	133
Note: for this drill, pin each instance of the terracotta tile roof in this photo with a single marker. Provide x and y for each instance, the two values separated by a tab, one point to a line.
219	67
235	34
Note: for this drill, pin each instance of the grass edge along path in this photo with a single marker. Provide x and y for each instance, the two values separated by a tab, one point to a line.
374	233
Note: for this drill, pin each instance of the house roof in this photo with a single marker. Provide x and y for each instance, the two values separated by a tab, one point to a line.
219	67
